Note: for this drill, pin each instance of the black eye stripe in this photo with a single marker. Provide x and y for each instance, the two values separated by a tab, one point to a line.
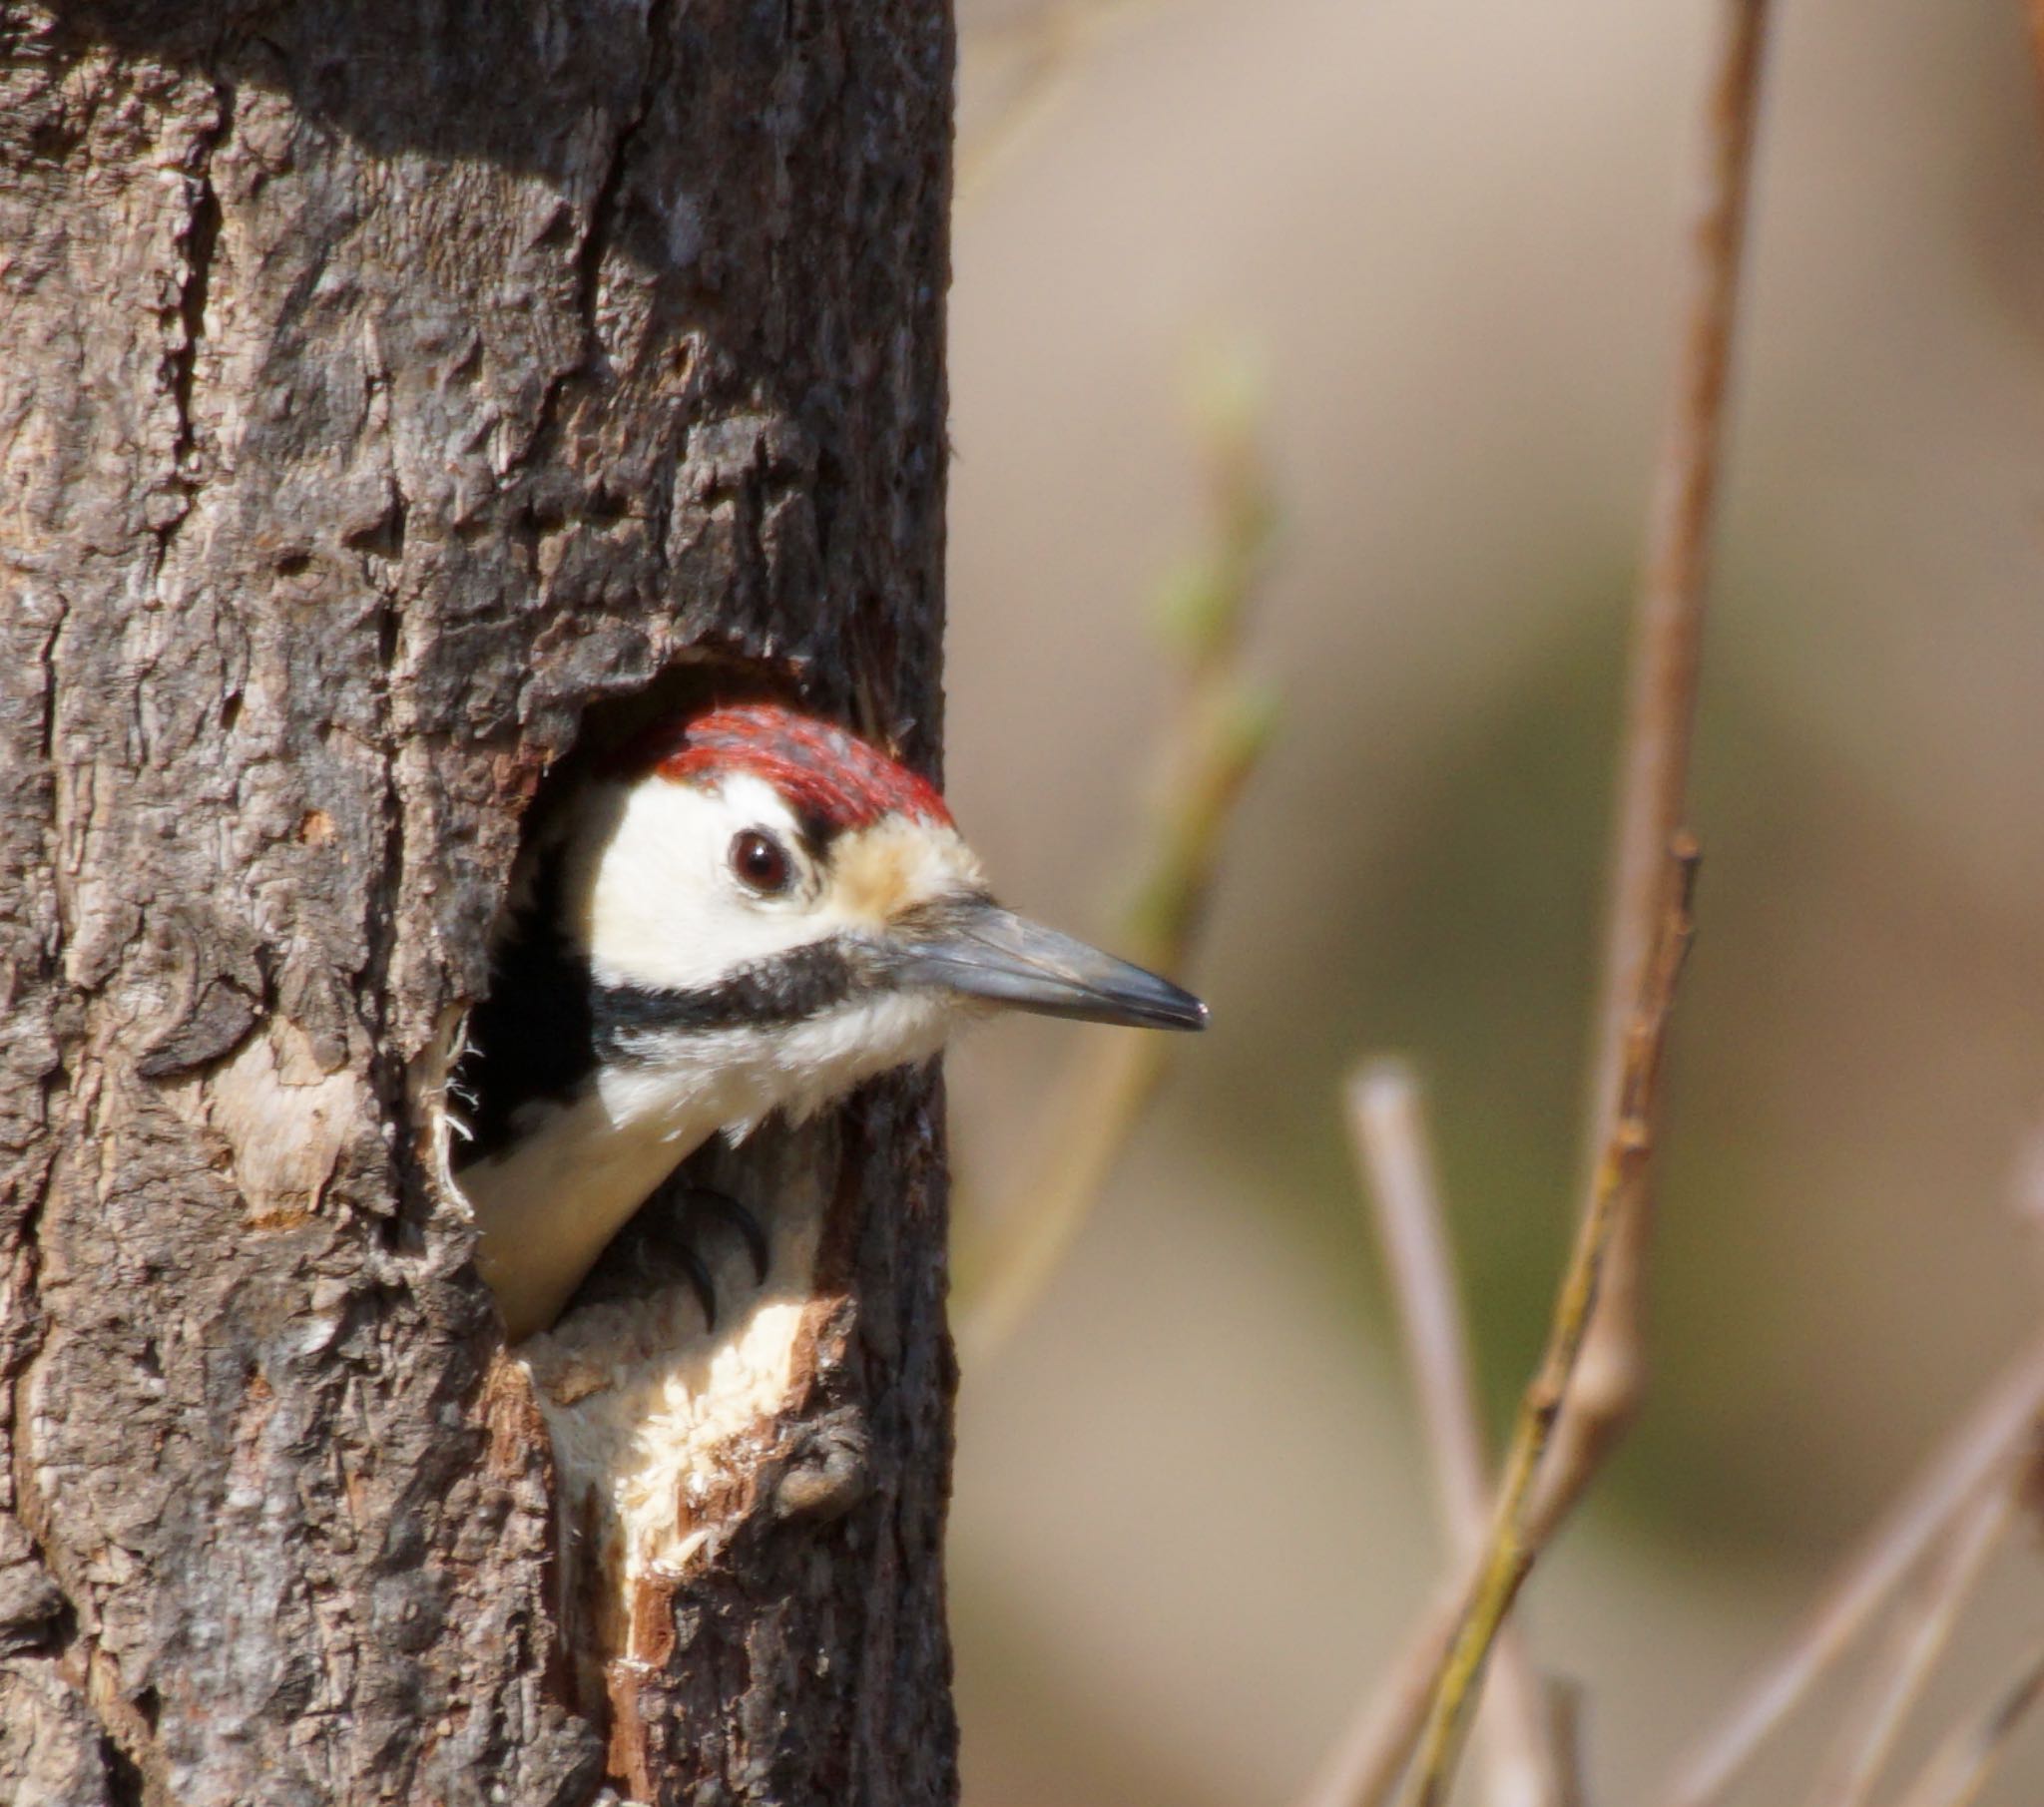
789	988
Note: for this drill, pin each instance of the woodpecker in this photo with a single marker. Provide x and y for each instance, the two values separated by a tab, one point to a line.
749	911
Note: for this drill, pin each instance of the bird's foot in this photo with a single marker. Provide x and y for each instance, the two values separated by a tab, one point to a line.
701	1201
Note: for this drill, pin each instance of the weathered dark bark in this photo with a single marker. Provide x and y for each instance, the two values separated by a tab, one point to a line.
382	386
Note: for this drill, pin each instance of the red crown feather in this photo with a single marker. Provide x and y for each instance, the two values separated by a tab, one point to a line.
819	767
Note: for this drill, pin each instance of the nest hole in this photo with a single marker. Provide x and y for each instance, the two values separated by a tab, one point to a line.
657	1414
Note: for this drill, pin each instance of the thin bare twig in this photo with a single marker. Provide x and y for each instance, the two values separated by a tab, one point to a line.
1565	1715
1387	1118
1388	1121
1367	1760
1515	1538
1987	1444
2027	1181
1661	719
2037	37
1214	741
1958	1771
1916	1644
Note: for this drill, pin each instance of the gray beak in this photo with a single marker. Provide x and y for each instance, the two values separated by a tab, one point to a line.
974	947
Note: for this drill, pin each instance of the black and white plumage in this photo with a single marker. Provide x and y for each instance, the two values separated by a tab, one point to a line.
754	913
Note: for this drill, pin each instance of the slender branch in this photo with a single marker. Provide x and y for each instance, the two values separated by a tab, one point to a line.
1386	1118
2026	1186
1662	703
1111	1081
2037	37
1916	1644
1661	717
1565	1715
1367	1760
1989	1441
1958	1771
1387	1123
1517	1535
1215	740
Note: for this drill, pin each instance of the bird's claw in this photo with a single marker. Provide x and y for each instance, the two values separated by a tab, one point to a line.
708	1202
701	1285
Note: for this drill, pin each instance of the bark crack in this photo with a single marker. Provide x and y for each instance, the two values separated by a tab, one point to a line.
592	248
383	553
46	658
595	244
197	241
606	207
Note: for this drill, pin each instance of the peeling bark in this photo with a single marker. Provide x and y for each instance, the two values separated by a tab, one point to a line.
384	386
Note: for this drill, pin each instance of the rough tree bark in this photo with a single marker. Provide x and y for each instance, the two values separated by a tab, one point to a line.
383	384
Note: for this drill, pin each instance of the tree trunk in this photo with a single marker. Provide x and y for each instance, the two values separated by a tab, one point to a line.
383	385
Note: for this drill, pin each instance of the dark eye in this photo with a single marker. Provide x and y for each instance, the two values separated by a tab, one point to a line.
760	862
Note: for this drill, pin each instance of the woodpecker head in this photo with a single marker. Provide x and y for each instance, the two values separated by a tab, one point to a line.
763	893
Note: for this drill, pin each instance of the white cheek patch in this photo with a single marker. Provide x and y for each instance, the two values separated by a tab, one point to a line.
648	890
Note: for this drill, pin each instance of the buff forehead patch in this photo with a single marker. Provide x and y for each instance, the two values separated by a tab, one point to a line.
820	768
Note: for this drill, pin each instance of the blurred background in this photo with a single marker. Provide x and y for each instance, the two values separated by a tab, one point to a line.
1193	1520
